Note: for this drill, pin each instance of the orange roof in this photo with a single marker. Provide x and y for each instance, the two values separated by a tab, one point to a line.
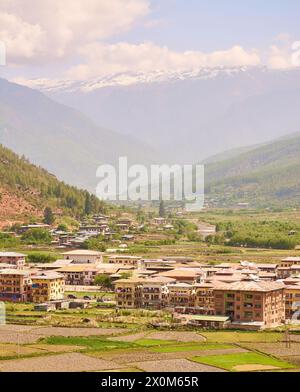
260	286
184	273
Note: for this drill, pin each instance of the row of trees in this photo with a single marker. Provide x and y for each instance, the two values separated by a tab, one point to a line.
257	234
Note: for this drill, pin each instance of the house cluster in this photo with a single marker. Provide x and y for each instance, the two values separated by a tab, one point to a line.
91	228
107	226
40	283
244	295
236	295
162	224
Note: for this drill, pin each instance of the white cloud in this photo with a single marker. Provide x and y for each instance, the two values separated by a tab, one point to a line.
285	53
279	58
147	57
38	30
75	32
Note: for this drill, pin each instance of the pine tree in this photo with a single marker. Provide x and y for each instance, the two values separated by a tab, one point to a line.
162	211
48	216
88	204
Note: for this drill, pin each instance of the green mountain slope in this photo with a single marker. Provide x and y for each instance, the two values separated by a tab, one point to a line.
25	190
265	176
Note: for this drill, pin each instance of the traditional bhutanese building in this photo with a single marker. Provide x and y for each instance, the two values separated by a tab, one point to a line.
84	256
15	259
152	291
128	293
47	287
80	274
292	298
124	260
249	303
15	286
178	295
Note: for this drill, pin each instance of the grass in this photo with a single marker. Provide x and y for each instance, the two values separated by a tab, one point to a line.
242	337
191	347
91	343
230	361
153	342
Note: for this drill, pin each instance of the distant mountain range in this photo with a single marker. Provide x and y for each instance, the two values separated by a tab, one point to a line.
61	139
263	176
183	117
189	116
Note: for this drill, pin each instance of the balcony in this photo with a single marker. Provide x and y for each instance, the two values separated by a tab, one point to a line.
149	291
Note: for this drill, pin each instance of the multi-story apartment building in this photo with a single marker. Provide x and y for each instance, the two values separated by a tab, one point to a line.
203	298
289	262
158	265
124	260
82	275
292	299
283	272
177	295
128	293
152	292
15	286
84	256
184	275
15	259
47	287
257	303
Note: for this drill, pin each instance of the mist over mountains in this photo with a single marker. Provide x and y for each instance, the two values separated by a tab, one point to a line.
229	118
189	116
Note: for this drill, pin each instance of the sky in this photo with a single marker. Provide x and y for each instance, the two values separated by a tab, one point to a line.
82	39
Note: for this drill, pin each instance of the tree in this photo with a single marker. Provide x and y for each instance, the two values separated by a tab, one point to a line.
95	244
62	227
88	204
48	216
36	236
103	281
40	257
162	211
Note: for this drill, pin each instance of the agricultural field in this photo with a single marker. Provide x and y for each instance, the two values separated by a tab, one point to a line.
243	362
97	349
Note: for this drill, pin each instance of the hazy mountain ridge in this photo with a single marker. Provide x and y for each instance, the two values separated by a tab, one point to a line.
60	138
199	114
263	176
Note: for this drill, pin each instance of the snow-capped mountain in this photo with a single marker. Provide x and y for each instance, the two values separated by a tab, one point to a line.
128	79
200	113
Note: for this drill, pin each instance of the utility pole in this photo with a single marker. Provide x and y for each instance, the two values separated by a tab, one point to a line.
287	337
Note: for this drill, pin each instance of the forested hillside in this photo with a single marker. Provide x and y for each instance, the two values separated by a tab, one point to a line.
26	189
264	176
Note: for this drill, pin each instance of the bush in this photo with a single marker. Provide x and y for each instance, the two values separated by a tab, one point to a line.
41	258
8	241
37	237
95	244
103	281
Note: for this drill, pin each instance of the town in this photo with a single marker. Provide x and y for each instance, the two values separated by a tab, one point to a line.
150	287
242	295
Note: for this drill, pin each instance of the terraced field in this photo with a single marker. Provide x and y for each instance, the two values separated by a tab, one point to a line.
34	349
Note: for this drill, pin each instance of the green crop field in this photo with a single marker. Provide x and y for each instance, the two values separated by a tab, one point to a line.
233	362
